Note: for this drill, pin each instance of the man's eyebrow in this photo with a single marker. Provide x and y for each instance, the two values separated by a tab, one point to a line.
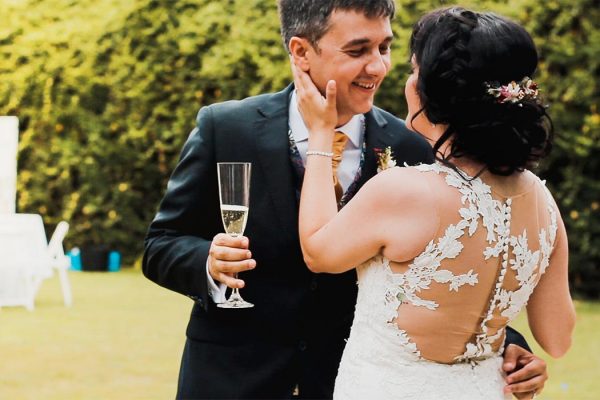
362	41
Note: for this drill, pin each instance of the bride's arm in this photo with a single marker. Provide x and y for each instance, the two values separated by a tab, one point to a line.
382	215
550	309
325	242
397	219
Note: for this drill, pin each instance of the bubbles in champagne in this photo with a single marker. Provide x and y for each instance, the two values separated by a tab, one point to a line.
234	218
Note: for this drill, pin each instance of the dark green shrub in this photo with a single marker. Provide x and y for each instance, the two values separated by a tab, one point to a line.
107	93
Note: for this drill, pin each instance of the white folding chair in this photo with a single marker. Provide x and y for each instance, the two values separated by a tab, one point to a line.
24	260
60	261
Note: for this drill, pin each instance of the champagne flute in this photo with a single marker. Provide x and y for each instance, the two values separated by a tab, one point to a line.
234	195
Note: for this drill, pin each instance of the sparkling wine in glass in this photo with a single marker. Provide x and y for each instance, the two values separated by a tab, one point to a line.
234	194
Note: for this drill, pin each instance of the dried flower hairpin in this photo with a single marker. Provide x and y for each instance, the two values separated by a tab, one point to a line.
385	159
514	92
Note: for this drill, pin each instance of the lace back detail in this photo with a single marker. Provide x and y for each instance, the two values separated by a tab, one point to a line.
479	209
451	303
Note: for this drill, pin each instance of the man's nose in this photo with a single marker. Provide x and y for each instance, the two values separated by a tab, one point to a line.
377	65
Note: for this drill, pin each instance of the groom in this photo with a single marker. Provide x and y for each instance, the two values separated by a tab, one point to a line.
290	343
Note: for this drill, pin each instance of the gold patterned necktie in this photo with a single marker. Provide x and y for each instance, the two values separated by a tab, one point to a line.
339	142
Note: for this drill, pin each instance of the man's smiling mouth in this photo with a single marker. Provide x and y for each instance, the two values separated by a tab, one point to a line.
368	86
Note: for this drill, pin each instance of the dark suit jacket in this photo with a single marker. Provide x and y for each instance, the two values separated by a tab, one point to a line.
295	333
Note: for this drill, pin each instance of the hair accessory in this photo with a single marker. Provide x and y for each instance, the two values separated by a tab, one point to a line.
514	92
319	153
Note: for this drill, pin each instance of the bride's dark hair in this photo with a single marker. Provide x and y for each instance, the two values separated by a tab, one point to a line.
458	52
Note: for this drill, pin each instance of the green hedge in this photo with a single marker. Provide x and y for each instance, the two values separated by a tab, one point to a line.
107	92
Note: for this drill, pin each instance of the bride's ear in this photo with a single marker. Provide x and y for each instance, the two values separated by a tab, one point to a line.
299	52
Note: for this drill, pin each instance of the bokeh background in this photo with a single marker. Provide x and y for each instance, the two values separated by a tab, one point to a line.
107	91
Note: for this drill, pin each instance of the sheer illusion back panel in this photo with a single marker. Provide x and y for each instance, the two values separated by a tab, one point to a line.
456	289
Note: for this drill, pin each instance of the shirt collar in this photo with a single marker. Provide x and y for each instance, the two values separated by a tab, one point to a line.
353	128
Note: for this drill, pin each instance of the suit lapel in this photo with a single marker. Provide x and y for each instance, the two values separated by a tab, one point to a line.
272	146
378	138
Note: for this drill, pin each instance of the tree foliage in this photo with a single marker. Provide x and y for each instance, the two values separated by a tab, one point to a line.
107	91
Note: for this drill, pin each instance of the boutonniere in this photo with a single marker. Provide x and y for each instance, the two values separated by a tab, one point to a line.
385	159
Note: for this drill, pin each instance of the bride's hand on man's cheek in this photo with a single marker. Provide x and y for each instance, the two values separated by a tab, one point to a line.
319	113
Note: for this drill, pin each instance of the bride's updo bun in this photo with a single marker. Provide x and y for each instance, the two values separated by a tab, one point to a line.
461	54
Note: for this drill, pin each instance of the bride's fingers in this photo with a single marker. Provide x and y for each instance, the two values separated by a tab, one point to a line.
303	79
310	100
296	71
330	96
307	86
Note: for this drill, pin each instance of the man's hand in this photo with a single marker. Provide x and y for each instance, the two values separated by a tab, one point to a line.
229	255
526	373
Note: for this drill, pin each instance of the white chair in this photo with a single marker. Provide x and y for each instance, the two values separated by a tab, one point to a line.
60	261
26	259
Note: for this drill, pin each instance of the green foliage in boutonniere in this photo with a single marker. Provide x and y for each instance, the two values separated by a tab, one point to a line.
385	159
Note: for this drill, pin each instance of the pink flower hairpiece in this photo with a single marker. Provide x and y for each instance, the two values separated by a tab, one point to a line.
514	92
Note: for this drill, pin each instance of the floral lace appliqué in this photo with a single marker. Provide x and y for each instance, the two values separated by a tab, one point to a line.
479	209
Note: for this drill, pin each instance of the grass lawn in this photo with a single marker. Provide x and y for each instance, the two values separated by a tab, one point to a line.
576	375
123	338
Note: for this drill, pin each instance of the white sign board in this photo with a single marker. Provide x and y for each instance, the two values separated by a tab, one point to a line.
9	138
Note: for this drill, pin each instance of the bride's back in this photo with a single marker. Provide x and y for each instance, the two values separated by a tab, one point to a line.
469	252
490	249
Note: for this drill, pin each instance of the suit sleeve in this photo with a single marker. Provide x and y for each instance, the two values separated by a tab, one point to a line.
178	240
514	337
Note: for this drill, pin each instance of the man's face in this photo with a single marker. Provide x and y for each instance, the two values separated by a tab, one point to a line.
355	52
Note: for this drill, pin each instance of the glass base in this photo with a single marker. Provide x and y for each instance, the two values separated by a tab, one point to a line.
235	301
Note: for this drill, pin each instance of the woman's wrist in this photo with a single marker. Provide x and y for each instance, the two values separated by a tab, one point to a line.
319	153
321	140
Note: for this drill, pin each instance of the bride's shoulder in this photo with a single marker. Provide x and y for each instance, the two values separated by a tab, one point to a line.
404	183
415	174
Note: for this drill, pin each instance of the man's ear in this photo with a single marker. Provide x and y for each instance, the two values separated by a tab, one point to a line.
299	49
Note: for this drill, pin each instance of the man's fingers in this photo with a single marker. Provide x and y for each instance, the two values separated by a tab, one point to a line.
530	370
526	373
225	240
511	354
532	385
230	281
223	271
508	367
229	254
230	267
524	396
516	357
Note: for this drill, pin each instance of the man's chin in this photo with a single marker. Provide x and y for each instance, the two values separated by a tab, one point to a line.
355	107
363	108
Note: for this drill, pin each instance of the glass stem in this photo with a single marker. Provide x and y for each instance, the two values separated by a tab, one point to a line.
235	292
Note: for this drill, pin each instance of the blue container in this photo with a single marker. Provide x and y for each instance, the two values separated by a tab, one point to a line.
114	261
75	257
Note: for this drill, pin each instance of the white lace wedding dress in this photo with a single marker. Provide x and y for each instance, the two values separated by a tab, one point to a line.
433	328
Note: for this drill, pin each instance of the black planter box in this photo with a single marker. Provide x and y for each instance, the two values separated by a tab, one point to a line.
94	258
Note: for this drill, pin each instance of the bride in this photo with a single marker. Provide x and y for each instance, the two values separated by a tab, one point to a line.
448	253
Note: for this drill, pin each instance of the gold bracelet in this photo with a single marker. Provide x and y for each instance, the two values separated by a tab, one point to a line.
319	153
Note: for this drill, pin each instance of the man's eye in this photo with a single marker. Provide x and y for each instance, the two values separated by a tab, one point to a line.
356	53
385	49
